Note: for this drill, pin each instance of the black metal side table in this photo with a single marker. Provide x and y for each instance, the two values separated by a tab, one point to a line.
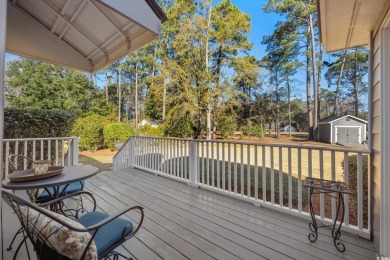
321	186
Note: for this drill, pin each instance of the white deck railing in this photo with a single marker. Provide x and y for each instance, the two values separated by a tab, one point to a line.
60	150
266	174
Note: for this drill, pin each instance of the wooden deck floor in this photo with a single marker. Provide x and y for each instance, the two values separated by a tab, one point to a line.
182	222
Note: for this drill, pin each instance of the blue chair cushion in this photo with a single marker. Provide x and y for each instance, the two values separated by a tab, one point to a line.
109	234
72	188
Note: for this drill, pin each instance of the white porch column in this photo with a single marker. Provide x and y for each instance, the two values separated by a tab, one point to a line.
3	31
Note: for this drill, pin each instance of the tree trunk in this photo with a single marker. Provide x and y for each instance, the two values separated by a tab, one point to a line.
315	87
289	106
209	106
95	80
208	122
153	68
164	99
276	127
319	84
136	96
337	92
355	87
127	110
106	89
119	95
277	123
308	90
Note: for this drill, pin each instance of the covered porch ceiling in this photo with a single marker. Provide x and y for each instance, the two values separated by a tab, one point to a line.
347	23
86	35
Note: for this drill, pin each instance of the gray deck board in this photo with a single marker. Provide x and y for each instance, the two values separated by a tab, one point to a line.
243	220
182	222
283	220
194	228
234	228
260	225
9	230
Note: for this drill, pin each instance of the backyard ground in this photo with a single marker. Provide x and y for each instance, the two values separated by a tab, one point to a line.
298	138
101	159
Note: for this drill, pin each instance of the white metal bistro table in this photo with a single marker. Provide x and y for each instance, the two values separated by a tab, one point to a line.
69	175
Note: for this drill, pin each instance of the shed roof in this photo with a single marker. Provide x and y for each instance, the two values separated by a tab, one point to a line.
336	118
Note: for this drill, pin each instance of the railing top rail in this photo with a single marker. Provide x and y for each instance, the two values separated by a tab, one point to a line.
297	146
39	139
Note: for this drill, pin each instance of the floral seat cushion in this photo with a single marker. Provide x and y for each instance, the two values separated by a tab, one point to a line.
52	234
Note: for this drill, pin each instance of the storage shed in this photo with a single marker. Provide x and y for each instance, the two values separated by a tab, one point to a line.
343	130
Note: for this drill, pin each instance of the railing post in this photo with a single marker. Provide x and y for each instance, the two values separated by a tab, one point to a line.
75	151
130	159
193	164
115	163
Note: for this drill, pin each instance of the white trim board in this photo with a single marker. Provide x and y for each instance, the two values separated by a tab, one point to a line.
337	119
385	143
3	33
331	134
343	126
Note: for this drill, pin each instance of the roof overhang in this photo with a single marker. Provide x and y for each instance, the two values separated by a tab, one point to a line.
86	35
346	24
339	118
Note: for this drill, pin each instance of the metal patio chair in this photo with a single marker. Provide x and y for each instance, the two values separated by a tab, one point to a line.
95	235
18	163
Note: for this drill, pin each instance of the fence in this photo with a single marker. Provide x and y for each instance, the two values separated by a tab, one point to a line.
59	150
269	175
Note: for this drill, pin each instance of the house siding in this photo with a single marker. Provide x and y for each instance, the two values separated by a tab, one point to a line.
324	132
376	136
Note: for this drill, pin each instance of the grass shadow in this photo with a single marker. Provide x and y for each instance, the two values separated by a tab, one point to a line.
88	160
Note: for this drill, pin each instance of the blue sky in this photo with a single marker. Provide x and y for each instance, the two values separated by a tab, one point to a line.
262	23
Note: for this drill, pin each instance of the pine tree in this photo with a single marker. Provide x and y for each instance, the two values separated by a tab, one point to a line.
352	82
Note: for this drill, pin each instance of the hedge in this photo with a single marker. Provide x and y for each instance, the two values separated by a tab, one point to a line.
90	131
116	132
353	180
26	123
149	130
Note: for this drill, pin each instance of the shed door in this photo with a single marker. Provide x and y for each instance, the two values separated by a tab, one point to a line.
348	135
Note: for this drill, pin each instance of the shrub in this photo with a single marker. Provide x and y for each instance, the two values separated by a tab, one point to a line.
226	125
116	131
148	130
353	180
251	129
28	123
90	131
179	122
